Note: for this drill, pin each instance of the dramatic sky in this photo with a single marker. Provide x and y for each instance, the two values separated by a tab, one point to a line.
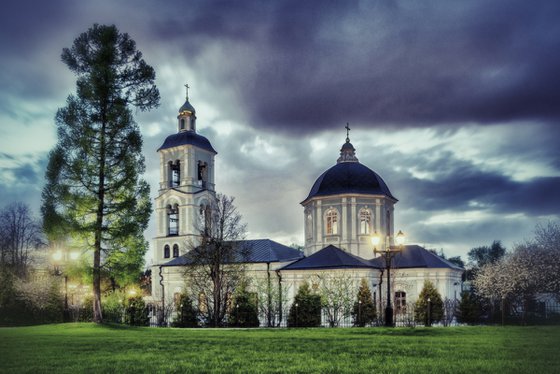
456	104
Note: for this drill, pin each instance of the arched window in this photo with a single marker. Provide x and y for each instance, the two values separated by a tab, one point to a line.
400	302
175	250
202	173
175	171
332	222
365	222
202	305
166	251
173	219
182	123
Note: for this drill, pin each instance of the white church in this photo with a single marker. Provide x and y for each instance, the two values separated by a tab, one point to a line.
346	205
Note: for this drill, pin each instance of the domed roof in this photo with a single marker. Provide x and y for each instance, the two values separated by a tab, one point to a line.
187	137
187	107
349	177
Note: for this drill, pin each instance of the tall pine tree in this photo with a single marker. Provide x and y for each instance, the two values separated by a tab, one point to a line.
93	192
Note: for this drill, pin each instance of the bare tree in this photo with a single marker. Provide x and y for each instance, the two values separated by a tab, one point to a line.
20	235
273	297
216	265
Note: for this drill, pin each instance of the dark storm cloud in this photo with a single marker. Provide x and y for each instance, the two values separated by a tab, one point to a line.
316	64
461	186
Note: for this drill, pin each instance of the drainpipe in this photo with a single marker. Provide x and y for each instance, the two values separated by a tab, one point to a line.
162	296
279	296
269	296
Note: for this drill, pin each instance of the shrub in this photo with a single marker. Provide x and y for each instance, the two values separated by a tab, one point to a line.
244	312
186	313
470	308
306	309
12	310
112	306
435	305
136	313
363	312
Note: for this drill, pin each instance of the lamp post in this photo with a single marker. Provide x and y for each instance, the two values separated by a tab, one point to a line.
60	258
388	253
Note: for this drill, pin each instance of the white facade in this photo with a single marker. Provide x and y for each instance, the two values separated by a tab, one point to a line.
337	212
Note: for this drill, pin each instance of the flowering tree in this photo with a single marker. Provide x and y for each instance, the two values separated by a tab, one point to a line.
531	268
337	296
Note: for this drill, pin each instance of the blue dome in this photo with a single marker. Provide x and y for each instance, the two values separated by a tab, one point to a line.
349	177
187	107
187	137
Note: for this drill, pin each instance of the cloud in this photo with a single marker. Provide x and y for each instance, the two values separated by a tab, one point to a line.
310	67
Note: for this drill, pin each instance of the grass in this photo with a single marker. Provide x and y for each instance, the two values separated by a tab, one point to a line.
71	348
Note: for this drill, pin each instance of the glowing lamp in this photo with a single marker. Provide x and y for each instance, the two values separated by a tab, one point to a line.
400	238
57	256
375	239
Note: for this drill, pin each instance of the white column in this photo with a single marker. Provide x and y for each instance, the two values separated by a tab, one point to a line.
344	221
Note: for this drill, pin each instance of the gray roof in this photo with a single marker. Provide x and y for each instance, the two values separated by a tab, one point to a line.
257	250
415	256
349	177
330	257
187	137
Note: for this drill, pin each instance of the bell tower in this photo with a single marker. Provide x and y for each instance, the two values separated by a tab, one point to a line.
186	187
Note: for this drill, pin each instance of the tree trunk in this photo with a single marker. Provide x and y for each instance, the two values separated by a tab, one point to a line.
97	315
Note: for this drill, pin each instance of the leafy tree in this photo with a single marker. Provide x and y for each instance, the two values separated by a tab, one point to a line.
186	312
364	311
480	256
457	261
470	308
243	312
306	308
136	313
93	190
435	303
20	236
215	267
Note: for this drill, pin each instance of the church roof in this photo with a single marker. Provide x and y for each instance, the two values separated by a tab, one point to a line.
349	177
256	250
415	256
187	107
187	137
330	257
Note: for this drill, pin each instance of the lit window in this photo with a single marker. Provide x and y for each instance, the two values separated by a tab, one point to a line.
175	250
202	306
365	222
166	251
332	222
400	302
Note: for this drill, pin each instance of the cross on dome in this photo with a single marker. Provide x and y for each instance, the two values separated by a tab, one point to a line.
347	152
187	87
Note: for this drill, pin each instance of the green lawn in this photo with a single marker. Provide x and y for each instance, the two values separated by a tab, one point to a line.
85	347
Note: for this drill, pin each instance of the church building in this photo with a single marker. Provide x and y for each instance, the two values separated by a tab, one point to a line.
346	205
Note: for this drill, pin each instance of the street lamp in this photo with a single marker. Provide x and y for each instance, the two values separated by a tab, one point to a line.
388	253
61	257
